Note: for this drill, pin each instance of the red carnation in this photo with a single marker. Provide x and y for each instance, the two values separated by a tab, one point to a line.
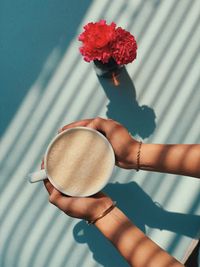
97	41
124	48
106	43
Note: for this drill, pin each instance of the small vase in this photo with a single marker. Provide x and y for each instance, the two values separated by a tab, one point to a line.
108	70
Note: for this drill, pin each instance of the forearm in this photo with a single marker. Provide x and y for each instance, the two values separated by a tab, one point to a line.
132	243
178	159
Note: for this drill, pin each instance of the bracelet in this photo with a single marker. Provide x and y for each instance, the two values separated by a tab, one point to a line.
103	214
138	156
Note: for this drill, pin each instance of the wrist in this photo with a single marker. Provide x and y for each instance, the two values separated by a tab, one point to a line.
112	219
152	157
100	206
103	214
135	155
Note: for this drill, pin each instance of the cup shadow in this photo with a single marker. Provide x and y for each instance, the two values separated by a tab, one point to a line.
124	108
141	209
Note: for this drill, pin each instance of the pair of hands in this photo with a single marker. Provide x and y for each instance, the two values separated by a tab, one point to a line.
125	148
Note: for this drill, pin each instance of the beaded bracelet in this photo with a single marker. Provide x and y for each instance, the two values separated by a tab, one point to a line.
103	214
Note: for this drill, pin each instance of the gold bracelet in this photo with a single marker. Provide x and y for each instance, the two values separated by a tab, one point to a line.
138	156
103	214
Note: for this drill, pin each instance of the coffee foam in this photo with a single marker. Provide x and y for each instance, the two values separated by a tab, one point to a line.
79	162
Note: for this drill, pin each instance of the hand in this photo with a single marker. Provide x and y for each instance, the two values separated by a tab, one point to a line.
125	147
87	208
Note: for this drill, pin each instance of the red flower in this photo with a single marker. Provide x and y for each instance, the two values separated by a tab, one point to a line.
96	40
124	47
105	42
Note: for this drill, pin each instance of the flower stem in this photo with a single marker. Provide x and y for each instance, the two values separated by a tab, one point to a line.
115	79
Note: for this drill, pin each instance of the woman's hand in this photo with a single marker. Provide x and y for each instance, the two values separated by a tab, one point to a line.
125	147
87	208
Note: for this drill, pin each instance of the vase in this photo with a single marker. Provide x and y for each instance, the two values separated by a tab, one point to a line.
108	70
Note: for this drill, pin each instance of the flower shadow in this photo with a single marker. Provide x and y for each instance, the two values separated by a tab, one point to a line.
124	108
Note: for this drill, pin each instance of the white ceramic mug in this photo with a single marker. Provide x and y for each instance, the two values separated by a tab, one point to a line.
79	152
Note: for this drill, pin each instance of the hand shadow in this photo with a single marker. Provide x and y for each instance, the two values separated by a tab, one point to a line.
140	208
124	108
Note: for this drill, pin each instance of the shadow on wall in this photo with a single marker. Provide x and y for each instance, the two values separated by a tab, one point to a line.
140	208
30	30
124	108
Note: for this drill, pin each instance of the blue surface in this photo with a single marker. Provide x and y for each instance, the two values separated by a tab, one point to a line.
45	84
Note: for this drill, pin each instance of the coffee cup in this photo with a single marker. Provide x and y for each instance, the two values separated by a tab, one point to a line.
78	162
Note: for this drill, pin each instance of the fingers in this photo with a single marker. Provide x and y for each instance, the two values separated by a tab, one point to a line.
48	186
103	125
95	123
54	195
76	124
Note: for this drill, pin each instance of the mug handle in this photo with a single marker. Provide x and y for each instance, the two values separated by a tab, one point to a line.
37	176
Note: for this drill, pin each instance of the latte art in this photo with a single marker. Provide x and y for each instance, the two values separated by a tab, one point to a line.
79	162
